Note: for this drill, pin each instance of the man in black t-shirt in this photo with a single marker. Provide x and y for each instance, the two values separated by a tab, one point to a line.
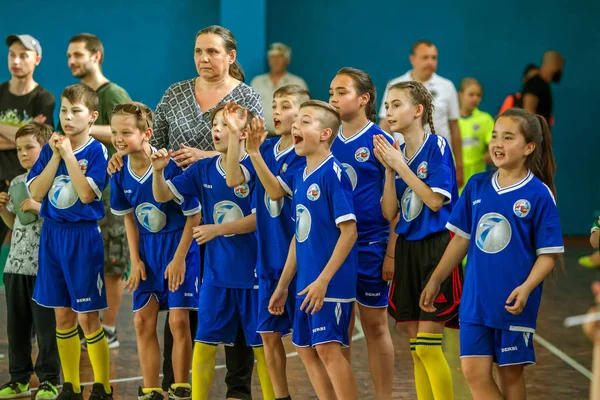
537	95
22	100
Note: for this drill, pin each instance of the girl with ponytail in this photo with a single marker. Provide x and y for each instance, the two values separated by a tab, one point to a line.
508	223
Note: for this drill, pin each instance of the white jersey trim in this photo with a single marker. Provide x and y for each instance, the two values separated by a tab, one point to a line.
550	250
358	134
344	218
511	188
278	154
178	197
443	192
193	211
409	161
305	176
521	329
336	300
94	187
458	231
121	212
285	187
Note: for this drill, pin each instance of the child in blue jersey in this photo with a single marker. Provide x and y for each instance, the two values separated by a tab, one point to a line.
68	180
352	93
508	224
421	184
323	253
274	219
165	259
229	291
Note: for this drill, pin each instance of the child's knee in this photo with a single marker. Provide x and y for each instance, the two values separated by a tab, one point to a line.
144	324
89	322
179	322
329	352
473	372
511	374
65	318
271	339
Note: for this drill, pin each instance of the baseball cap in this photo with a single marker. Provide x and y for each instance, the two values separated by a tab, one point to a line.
28	41
279	48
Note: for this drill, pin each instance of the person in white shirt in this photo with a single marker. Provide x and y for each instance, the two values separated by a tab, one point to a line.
279	56
424	60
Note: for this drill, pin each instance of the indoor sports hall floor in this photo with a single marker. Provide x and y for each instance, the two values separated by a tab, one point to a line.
563	355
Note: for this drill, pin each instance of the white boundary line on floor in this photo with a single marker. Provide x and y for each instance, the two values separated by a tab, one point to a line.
563	356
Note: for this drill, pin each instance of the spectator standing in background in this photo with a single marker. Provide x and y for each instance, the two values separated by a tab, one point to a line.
537	94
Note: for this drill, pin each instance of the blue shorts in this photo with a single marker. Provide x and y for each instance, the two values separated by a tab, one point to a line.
371	290
222	310
71	267
268	322
329	324
156	252
504	346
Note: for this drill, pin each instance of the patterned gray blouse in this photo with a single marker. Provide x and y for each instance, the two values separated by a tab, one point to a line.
179	119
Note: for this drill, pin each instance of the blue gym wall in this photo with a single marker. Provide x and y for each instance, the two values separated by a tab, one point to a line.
149	45
490	41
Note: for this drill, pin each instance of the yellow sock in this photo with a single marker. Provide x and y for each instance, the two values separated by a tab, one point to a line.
99	357
263	374
150	390
422	384
69	350
203	370
428	348
178	385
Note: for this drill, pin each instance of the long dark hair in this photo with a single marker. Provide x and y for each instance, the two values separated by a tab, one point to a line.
535	129
235	69
363	84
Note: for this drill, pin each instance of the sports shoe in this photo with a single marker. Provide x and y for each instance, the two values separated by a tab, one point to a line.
180	393
153	395
46	390
98	392
14	390
587	262
111	338
67	392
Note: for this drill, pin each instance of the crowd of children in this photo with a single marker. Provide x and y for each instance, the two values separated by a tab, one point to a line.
295	230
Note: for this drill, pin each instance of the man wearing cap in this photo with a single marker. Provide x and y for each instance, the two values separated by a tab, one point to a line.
85	56
22	100
279	56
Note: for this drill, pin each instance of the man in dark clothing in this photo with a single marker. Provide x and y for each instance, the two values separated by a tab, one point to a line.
537	94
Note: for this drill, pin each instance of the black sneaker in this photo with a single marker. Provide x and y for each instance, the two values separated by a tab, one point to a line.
67	393
111	339
98	392
181	393
153	395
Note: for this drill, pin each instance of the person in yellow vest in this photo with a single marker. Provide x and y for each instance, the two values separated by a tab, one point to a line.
475	129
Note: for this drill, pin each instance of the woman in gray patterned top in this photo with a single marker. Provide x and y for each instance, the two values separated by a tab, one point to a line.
182	118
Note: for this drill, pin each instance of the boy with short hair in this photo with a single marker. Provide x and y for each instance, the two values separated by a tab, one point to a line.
20	213
324	255
68	179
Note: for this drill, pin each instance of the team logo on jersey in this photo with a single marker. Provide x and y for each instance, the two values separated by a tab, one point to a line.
150	217
362	154
274	207
522	208
314	192
493	233
62	194
411	205
284	168
303	223
83	165
476	127
422	170
351	172
227	211
242	191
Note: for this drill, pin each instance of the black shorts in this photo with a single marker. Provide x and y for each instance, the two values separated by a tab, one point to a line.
414	263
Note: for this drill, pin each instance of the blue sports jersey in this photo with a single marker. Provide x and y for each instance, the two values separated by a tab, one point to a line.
508	228
323	197
229	261
367	176
62	203
275	219
433	164
132	193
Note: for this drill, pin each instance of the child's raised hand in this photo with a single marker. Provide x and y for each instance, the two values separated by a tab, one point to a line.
175	274
519	296
277	302
315	296
54	139
256	136
4	199
388	154
160	159
63	145
235	117
115	163
138	274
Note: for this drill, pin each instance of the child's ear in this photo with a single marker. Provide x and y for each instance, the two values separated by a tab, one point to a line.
419	110
326	134
245	132
529	148
93	117
148	134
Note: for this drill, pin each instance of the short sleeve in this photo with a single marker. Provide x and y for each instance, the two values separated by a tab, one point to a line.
187	184
548	235
453	108
248	169
96	174
119	204
440	175
117	95
339	195
190	204
533	87
461	218
40	164
160	132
